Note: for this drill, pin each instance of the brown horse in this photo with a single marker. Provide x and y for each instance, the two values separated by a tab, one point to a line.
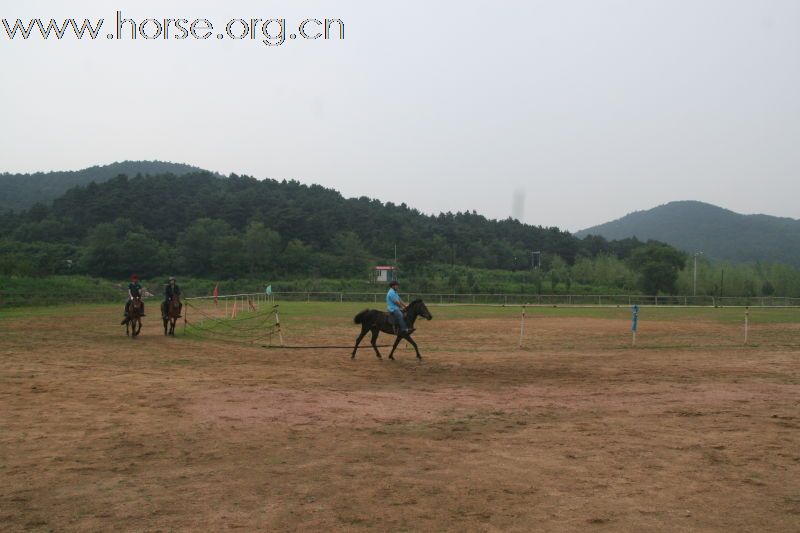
133	322
171	313
377	321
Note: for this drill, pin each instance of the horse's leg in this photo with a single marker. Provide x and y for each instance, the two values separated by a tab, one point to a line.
394	347
172	327
375	332
127	328
364	330
414	344
137	327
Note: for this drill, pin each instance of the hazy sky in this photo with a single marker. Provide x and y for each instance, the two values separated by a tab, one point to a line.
592	108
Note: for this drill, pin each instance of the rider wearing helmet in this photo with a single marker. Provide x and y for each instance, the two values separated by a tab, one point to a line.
134	291
171	290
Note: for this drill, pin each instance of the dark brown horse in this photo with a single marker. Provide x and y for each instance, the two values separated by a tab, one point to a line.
133	322
377	321
171	314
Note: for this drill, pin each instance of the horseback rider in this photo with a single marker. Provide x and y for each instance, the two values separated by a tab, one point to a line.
134	291
172	290
395	305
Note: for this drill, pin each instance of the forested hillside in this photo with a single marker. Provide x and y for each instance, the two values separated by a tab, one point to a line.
719	233
204	225
238	228
21	191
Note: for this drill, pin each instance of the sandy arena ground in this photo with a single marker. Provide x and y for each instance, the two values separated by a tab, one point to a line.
690	430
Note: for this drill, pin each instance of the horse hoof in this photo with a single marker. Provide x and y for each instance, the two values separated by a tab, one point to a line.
391	357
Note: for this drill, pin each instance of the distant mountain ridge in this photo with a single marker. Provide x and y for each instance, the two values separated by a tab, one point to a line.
21	191
717	232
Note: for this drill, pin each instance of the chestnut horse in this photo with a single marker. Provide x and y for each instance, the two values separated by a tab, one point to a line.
133	322
171	314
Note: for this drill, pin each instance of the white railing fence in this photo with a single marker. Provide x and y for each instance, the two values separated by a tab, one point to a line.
605	300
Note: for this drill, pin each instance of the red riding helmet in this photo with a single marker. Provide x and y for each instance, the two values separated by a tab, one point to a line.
134	277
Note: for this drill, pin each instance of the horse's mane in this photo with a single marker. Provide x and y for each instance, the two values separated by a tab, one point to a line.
417	301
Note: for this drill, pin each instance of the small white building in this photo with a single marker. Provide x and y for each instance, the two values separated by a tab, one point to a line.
385	274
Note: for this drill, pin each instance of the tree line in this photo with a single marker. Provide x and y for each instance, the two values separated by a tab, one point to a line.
207	226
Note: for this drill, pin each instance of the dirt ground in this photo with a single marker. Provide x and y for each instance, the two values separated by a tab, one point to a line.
578	431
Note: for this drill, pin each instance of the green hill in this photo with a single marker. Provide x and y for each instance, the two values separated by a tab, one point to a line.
719	233
21	191
205	225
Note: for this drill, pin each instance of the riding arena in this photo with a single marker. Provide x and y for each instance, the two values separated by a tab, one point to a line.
258	413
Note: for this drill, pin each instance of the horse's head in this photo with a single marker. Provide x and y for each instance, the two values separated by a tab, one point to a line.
420	309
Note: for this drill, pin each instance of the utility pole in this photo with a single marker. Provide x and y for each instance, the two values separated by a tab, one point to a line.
694	290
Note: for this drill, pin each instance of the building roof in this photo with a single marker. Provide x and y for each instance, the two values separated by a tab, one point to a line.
384	268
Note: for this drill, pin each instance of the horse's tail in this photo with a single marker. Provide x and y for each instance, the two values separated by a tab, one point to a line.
359	318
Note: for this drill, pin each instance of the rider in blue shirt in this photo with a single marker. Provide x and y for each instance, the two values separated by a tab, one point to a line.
395	306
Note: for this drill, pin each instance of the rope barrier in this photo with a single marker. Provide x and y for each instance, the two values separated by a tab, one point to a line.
324	347
271	330
232	330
